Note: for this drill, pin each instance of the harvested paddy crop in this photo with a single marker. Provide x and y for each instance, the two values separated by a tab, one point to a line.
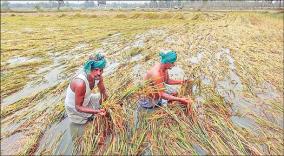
234	58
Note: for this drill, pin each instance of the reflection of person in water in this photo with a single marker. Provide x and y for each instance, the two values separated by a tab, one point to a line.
80	104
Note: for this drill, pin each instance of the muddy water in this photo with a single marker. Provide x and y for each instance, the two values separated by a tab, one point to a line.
50	79
52	73
138	73
137	57
60	139
231	88
110	68
12	144
20	60
141	39
199	150
196	59
176	73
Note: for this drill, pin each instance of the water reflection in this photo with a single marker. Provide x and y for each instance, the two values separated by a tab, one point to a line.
61	138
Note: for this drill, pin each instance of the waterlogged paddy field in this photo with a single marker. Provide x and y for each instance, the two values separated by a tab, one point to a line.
235	58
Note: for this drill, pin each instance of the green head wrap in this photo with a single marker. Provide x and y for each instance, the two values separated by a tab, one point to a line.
168	57
98	61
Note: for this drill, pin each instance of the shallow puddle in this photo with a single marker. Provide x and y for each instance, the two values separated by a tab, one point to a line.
12	144
138	73
176	73
60	138
22	60
268	91
199	150
245	123
137	57
205	80
231	88
51	79
196	59
111	68
139	43
170	40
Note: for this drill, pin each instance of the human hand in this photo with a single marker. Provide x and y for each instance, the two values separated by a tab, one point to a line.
102	112
185	101
187	81
105	97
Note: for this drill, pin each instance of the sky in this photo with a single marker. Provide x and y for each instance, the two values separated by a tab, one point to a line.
82	1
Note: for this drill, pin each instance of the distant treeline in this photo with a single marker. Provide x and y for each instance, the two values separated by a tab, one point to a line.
171	4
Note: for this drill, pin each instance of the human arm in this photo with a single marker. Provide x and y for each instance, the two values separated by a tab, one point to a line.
160	85
175	82
102	90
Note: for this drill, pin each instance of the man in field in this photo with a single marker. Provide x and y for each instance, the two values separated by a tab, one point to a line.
80	104
158	77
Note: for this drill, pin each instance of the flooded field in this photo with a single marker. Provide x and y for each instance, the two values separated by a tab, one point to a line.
234	58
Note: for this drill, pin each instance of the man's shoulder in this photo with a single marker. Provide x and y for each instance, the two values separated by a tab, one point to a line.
77	82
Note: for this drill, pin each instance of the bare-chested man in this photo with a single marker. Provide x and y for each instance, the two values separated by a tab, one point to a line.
159	77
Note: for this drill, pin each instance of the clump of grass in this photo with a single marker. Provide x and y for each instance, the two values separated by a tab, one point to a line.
179	16
254	20
134	51
62	15
136	15
93	16
166	16
151	16
79	15
121	16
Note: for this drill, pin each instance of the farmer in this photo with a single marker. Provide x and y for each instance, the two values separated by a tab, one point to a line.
159	78
80	104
